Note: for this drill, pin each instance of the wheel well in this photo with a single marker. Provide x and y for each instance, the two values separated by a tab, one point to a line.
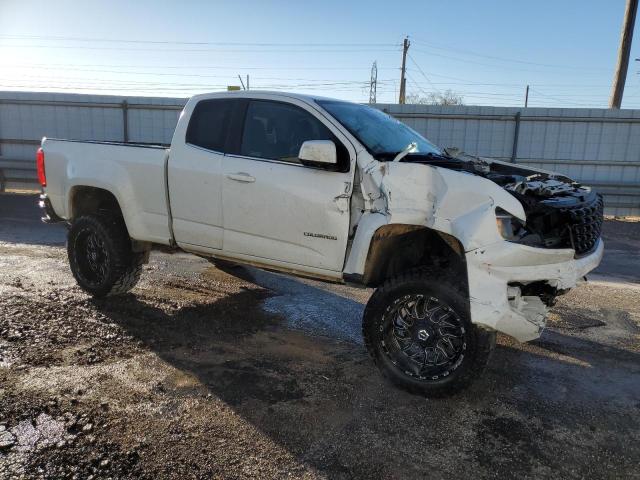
91	200
397	248
88	200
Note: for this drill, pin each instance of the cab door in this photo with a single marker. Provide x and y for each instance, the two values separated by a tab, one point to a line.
277	210
194	176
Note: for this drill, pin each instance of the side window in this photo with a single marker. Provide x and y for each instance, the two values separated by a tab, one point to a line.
275	131
209	124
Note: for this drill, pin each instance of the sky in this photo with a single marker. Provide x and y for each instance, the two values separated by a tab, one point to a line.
487	51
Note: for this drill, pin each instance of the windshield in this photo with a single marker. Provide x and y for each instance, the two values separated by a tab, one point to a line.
380	133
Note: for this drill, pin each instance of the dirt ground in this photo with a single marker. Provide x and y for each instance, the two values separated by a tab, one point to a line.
199	373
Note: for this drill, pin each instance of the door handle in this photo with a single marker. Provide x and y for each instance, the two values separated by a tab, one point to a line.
241	177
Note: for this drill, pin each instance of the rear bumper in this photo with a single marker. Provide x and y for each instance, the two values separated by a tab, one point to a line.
497	305
50	215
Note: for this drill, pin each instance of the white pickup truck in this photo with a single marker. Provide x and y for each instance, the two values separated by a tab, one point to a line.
457	247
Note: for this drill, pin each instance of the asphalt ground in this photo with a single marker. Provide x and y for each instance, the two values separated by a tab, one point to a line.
205	373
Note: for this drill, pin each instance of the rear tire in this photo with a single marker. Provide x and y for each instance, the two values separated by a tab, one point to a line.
418	330
100	255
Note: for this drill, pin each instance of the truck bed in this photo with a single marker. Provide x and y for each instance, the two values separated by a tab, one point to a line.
134	173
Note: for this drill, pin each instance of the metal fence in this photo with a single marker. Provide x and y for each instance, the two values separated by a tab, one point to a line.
26	117
600	147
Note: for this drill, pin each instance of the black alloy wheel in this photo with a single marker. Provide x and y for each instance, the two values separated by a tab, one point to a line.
423	336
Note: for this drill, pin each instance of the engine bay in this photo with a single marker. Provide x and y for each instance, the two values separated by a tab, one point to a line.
561	213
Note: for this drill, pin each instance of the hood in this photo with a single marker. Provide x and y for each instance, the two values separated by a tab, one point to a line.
560	212
530	186
449	201
496	170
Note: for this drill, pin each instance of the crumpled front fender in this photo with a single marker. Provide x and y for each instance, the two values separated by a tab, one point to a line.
457	203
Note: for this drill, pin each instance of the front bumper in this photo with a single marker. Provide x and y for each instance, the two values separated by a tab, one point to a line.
498	306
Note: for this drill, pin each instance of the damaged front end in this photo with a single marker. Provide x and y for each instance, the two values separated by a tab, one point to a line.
512	284
528	235
560	213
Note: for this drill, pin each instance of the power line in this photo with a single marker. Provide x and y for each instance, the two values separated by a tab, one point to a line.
155	90
417	86
214	67
351	85
203	50
72	67
504	59
174	86
493	99
175	42
129	72
424	74
275	83
467	61
559	100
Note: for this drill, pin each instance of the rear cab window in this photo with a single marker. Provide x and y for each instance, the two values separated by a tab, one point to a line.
209	124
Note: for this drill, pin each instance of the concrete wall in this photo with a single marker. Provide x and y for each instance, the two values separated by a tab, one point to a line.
600	147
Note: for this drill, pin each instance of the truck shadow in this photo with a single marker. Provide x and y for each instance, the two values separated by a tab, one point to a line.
323	399
333	311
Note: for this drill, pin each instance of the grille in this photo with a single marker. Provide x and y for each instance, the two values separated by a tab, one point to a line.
584	226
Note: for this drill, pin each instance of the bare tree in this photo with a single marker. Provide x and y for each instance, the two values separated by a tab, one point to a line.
448	97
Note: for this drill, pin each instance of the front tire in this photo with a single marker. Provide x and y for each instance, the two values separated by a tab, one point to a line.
100	255
418	330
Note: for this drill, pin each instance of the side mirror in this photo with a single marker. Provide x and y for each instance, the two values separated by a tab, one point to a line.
318	153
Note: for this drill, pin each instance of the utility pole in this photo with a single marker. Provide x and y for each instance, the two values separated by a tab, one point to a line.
403	79
247	81
373	86
622	66
526	97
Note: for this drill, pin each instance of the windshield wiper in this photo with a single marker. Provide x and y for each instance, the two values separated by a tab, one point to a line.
393	156
407	150
432	155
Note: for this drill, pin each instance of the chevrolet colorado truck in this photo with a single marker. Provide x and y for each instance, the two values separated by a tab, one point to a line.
457	247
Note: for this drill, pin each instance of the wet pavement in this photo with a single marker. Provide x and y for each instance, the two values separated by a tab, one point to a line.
204	373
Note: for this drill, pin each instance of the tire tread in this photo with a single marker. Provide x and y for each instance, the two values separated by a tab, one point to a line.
484	340
126	268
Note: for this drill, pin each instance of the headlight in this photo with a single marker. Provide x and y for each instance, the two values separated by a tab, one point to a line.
509	226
